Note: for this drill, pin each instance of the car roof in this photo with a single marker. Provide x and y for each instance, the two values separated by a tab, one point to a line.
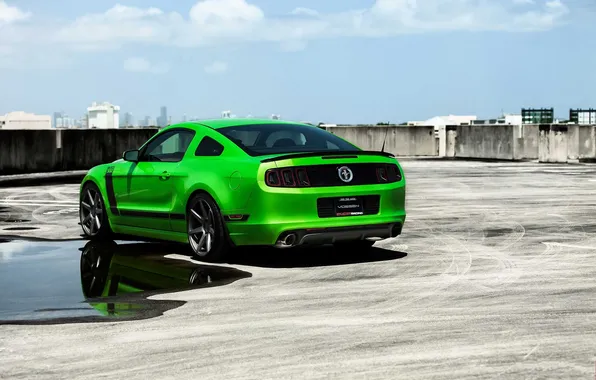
222	123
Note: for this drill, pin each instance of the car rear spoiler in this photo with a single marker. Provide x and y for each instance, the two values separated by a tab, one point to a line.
330	155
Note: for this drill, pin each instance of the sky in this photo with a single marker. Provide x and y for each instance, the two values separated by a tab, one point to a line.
348	61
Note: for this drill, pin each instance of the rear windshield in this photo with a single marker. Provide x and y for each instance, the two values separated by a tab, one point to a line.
265	139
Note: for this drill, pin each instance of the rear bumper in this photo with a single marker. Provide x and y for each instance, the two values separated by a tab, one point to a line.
318	236
271	213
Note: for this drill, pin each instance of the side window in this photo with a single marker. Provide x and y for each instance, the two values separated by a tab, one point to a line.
169	147
208	147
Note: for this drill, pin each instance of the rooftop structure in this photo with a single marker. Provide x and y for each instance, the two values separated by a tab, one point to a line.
510	119
103	115
450	120
582	116
538	115
23	120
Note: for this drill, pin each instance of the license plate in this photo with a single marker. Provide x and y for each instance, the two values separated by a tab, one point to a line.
348	206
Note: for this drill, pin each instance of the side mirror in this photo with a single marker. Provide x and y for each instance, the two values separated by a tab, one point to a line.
131	155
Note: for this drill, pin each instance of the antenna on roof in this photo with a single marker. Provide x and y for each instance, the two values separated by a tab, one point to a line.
385	139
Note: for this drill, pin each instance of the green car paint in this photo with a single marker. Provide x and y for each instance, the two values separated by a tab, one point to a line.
150	198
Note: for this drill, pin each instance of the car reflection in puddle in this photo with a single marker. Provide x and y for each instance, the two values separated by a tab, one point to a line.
116	281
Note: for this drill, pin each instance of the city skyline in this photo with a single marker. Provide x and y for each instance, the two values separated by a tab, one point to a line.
61	119
125	119
356	60
128	119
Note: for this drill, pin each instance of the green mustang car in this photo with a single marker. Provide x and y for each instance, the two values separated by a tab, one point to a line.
219	184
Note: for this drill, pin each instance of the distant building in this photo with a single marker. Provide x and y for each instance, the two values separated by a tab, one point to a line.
148	121
538	115
62	120
582	116
413	123
103	115
84	122
23	120
509	119
162	119
448	120
128	120
55	117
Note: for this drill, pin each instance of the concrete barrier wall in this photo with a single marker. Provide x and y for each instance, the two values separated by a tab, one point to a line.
401	140
450	140
475	141
33	151
526	139
553	143
28	151
587	142
495	142
572	143
567	143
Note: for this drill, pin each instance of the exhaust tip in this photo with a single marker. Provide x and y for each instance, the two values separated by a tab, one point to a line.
287	241
290	240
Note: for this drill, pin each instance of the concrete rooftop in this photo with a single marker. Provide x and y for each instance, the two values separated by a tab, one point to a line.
493	277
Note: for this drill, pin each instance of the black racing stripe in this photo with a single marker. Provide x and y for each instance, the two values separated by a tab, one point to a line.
151	214
145	214
111	195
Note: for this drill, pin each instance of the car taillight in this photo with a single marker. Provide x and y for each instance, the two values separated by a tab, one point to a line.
272	178
287	177
388	174
302	176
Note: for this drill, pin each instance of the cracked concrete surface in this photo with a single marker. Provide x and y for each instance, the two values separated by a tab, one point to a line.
497	280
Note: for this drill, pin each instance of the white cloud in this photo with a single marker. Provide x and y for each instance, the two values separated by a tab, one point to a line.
239	21
225	12
10	14
117	26
124	13
305	12
216	67
141	65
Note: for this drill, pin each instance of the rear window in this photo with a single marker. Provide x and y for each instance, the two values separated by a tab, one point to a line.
265	139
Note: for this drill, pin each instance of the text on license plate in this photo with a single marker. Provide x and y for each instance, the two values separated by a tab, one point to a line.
348	206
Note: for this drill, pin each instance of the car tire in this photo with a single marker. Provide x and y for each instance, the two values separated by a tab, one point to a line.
356	246
207	234
93	214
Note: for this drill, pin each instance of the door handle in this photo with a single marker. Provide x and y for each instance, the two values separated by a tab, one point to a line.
164	176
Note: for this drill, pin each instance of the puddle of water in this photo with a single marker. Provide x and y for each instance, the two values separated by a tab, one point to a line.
78	281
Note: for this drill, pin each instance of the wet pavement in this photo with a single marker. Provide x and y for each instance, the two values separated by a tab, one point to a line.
81	281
